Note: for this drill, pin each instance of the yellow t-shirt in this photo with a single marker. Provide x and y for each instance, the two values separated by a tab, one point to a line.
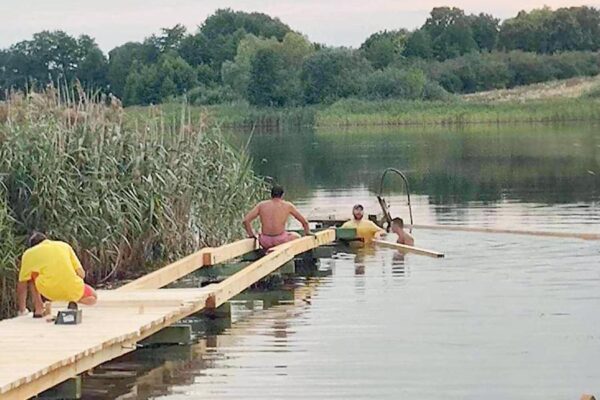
55	264
365	229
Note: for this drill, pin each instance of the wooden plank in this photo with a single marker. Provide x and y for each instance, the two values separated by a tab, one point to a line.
231	250
263	267
408	249
455	228
189	264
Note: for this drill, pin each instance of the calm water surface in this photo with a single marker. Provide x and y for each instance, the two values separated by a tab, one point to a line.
501	317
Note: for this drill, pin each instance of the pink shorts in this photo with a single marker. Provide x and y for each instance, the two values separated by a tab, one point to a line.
87	291
268	242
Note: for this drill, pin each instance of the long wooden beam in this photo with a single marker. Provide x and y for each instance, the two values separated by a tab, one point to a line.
409	249
204	257
573	235
236	283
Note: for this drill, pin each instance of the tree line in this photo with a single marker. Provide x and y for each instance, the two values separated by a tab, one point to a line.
251	57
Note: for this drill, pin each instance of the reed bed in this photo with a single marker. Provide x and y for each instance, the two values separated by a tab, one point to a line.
128	193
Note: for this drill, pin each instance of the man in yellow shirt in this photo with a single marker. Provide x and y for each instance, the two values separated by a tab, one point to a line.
51	269
365	229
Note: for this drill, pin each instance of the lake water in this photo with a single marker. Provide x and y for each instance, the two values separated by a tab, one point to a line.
500	317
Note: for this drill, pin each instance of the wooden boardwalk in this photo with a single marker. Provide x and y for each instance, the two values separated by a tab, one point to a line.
36	355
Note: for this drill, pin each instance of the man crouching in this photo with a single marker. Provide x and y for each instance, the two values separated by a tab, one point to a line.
51	269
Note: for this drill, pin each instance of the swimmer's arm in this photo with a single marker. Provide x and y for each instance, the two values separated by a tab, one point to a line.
409	239
296	214
251	216
377	231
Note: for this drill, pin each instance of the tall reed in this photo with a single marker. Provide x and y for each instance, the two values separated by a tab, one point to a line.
127	193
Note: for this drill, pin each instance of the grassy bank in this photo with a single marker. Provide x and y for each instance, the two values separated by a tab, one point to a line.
128	193
560	101
361	113
574	99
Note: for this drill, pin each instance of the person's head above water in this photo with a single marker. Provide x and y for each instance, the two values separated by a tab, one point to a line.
397	223
277	192
357	212
36	238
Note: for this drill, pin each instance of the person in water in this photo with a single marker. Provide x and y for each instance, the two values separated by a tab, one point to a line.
365	230
51	269
274	214
403	236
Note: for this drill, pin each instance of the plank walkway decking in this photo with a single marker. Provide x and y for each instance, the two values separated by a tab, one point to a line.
36	355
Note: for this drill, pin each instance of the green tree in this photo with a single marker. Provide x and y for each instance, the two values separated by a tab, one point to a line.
450	32
527	31
266	79
92	65
331	74
121	60
419	45
226	28
171	38
485	30
385	47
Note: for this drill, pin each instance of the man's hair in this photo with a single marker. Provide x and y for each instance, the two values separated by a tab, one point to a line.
276	192
358	207
36	238
398	221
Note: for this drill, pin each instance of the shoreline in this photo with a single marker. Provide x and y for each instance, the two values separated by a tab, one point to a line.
360	113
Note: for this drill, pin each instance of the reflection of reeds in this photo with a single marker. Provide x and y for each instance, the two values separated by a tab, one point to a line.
128	193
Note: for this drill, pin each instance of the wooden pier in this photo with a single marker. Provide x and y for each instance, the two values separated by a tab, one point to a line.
36	355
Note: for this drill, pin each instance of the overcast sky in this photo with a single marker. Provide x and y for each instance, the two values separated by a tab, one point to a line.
337	22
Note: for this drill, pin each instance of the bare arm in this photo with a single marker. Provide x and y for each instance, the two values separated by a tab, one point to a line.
296	214
76	264
409	239
251	216
22	297
38	304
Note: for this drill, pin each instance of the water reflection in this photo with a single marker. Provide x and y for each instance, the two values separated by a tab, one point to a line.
532	163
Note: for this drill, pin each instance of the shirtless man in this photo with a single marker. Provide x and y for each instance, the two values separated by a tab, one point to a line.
403	237
273	215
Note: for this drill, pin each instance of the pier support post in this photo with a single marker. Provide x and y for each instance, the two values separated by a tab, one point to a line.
67	390
174	334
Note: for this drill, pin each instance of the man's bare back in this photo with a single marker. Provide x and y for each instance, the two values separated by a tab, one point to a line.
274	214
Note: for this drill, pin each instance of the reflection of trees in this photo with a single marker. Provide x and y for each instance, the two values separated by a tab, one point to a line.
535	163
